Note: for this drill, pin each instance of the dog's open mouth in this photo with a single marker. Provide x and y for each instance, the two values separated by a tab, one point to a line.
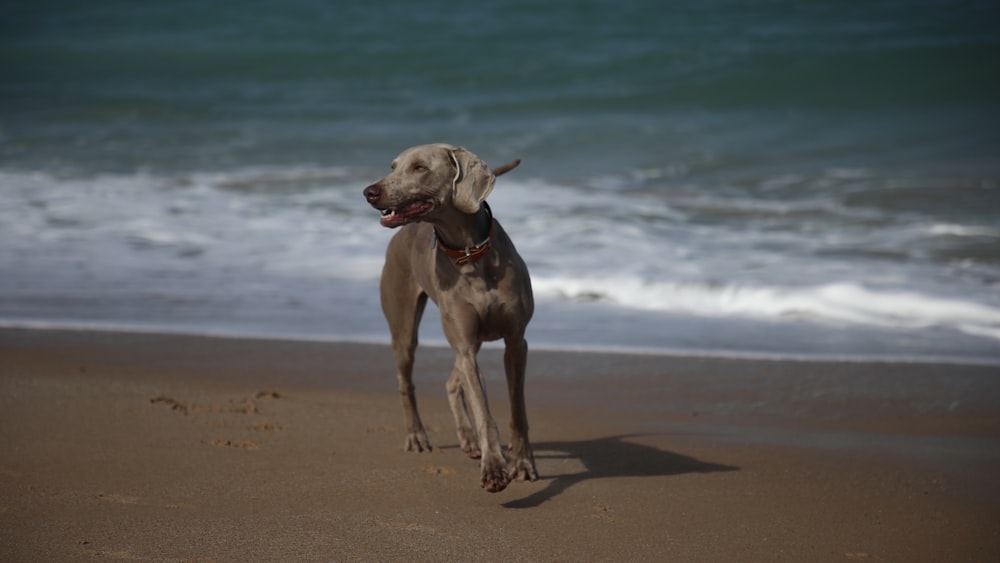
396	216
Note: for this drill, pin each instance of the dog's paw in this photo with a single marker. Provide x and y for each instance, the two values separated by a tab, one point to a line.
523	464
417	442
495	477
524	470
472	450
469	442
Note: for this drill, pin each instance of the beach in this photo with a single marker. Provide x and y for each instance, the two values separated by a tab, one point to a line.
129	446
762	243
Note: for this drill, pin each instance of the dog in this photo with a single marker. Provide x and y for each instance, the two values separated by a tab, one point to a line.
450	249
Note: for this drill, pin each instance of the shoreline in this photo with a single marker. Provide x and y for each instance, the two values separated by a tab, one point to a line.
812	392
165	447
664	352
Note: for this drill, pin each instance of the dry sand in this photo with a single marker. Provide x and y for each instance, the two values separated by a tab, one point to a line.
166	448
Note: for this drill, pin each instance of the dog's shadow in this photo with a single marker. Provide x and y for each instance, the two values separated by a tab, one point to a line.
613	456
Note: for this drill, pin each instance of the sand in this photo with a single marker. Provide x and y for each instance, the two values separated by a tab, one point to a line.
140	447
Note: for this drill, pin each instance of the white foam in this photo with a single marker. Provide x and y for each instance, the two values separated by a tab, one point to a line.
844	303
952	230
676	250
246	218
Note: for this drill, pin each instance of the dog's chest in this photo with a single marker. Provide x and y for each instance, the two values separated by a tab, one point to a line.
498	304
487	296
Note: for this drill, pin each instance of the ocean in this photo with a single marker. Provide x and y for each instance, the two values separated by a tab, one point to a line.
777	179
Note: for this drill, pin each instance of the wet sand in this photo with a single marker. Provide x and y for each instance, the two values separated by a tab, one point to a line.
123	446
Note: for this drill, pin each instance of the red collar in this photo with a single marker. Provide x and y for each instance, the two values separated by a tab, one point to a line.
471	254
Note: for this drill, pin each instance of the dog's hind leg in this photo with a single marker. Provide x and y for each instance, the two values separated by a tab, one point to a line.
467	437
522	458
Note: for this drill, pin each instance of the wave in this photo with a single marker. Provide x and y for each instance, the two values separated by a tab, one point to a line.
959	231
289	239
841	303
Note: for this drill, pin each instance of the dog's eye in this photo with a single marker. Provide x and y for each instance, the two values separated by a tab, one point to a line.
419	168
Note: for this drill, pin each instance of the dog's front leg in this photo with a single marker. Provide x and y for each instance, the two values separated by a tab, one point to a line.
416	436
404	343
492	465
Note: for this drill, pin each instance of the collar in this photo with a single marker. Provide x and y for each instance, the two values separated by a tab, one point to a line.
470	254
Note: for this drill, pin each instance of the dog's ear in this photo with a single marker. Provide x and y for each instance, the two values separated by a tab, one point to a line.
473	180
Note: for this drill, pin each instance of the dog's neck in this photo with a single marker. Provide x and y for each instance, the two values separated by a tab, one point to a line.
465	237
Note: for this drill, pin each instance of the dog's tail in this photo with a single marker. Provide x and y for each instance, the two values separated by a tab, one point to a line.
504	168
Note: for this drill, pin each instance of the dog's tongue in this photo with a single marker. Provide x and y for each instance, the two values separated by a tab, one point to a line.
401	216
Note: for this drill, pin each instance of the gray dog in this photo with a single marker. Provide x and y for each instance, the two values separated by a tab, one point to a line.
452	250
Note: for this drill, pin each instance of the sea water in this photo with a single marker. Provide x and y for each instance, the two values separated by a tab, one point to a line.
767	178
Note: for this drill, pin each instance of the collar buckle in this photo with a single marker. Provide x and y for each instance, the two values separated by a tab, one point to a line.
469	254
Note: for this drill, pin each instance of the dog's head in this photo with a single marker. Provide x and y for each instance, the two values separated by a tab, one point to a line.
428	178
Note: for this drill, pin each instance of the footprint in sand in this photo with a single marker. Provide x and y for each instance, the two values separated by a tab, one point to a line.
174	404
245	406
236	444
266	427
603	513
440	470
119	498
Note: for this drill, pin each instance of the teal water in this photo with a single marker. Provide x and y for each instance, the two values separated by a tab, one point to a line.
124	85
725	171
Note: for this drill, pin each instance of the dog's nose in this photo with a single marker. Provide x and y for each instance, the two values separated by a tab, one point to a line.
373	193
